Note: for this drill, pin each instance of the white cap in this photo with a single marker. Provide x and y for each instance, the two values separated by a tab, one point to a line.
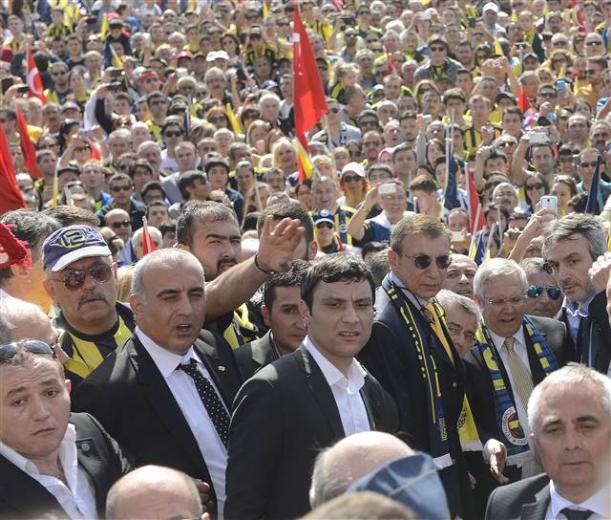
490	6
354	167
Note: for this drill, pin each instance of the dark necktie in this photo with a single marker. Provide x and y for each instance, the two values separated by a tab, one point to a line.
214	406
575	514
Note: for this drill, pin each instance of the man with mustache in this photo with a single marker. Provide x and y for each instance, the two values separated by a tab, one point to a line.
571	247
80	277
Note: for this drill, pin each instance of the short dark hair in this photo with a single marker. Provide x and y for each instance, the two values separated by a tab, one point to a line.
333	268
31	227
120	177
187	179
152	185
289	210
197	211
71	215
291	278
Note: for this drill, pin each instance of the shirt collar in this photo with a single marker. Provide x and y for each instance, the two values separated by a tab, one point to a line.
416	300
166	361
598	503
500	340
582	309
356	374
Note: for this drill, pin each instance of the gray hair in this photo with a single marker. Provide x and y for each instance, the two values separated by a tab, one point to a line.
494	268
588	226
153	231
573	375
175	256
533	265
447	298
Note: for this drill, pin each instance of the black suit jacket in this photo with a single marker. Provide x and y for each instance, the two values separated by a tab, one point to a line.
597	332
98	454
283	417
253	356
481	391
130	397
391	356
527	499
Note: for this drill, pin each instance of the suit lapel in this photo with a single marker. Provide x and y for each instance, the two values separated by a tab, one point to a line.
89	459
25	494
370	402
218	370
537	510
162	400
321	391
263	351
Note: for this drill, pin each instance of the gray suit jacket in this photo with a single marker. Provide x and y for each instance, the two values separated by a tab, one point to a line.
526	499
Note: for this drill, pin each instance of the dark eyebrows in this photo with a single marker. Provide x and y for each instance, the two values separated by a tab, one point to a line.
45	383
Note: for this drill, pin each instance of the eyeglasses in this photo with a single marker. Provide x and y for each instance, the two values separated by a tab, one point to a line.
424	261
81	148
327	225
534	291
593	42
74	279
9	350
437	49
538	186
547	94
123	187
515	301
172	134
588	164
351	178
122	223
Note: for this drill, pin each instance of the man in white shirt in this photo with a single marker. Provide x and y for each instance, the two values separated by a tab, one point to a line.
570	417
51	462
167	394
305	401
512	354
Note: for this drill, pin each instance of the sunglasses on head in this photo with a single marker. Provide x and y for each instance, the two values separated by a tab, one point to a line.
9	350
534	291
423	261
74	279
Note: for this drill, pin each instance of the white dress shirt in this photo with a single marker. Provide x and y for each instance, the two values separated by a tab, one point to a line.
598	503
189	401
77	495
574	312
529	466
346	390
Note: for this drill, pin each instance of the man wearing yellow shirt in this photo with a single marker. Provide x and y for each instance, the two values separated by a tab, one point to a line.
595	74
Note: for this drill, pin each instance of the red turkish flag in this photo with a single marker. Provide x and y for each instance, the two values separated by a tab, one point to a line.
10	195
34	81
27	148
309	103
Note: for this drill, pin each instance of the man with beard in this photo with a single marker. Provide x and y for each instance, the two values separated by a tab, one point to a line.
211	232
570	247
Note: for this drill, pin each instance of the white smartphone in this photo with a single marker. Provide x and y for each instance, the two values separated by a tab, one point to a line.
538	138
549	202
388	188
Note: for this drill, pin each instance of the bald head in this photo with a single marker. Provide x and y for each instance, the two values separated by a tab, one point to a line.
153	492
28	321
338	467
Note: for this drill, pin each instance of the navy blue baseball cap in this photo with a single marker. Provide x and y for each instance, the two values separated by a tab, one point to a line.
70	244
324	216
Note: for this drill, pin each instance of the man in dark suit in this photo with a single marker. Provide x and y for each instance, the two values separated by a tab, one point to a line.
412	355
571	247
513	353
166	395
51	462
570	417
283	315
306	400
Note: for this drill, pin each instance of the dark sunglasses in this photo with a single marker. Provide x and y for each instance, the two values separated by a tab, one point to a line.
328	225
351	178
123	223
74	279
334	110
424	261
172	134
120	188
9	350
588	164
537	186
534	291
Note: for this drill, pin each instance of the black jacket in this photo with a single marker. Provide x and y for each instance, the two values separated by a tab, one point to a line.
283	417
527	499
253	356
98	454
131	399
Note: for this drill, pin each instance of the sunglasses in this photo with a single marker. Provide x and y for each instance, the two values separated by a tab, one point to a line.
122	223
9	350
592	43
351	178
438	49
217	119
588	164
120	188
537	186
423	261
534	291
327	225
74	279
172	134
547	94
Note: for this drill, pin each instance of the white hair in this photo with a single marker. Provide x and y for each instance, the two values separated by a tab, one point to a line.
447	298
153	231
573	375
494	268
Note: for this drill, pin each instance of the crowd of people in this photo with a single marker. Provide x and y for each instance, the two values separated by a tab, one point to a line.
200	317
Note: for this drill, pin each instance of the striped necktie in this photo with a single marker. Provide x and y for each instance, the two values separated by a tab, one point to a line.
522	380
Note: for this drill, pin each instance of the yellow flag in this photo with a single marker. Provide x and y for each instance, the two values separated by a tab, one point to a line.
497	47
303	159
116	60
104	27
265	10
235	124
